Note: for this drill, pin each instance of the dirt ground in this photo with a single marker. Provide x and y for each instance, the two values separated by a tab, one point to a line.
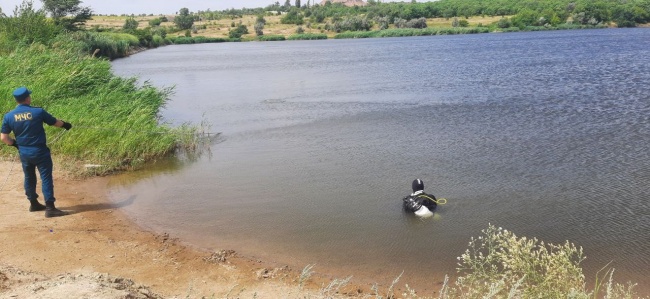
96	252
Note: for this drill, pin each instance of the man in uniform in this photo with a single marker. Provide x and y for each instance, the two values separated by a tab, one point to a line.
27	124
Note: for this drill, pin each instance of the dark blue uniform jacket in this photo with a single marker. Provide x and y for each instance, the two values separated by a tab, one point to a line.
27	124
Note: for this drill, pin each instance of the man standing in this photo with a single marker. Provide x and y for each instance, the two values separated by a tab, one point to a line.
27	124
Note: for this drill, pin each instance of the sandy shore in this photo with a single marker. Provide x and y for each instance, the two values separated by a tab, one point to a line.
96	252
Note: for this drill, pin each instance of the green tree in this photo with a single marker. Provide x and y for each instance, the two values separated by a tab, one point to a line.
184	20
259	28
260	19
27	26
292	17
238	31
130	24
259	25
68	13
298	3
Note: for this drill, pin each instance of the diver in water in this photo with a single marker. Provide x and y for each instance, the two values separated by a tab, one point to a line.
420	203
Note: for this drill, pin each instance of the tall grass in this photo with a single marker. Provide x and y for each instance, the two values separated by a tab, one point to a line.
115	122
108	44
268	38
182	40
307	36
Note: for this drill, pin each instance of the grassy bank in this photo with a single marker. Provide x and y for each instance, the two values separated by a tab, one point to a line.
116	123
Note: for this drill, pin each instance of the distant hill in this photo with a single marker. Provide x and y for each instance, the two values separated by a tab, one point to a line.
346	2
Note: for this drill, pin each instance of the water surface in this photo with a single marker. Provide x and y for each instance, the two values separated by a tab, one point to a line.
545	134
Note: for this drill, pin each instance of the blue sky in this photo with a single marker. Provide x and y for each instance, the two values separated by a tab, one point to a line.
153	6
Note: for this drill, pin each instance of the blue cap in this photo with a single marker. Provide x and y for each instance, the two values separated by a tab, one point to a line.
21	93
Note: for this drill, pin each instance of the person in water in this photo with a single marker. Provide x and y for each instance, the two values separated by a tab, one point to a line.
415	202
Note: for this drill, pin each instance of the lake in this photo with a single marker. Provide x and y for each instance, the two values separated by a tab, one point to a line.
545	134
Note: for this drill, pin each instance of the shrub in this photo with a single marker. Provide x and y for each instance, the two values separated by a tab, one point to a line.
26	27
238	31
292	17
498	264
383	22
130	24
259	28
504	23
355	23
300	30
155	22
417	23
399	23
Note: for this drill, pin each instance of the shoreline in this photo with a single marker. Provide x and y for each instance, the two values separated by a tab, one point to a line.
99	252
98	238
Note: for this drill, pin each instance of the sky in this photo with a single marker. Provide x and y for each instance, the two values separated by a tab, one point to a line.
119	7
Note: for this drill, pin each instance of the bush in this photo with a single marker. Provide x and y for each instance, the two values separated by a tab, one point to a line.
498	264
26	27
355	23
300	30
292	17
259	28
238	31
417	23
383	22
504	23
130	24
155	22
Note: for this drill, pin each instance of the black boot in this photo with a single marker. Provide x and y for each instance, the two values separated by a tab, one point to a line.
35	206
51	211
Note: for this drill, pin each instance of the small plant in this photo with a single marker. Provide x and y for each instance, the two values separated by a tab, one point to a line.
299	30
305	275
498	264
334	286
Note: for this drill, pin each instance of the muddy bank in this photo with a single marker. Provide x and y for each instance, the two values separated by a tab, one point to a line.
97	249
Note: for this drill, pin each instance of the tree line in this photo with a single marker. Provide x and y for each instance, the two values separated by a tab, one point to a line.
625	13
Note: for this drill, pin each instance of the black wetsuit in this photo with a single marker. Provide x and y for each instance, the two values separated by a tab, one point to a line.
418	199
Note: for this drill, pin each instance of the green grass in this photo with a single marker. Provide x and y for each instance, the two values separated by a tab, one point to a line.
115	122
307	36
182	40
268	38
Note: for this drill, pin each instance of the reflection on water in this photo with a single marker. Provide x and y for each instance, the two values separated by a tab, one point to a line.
545	134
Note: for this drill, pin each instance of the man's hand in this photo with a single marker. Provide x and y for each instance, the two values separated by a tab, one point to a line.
15	144
67	126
